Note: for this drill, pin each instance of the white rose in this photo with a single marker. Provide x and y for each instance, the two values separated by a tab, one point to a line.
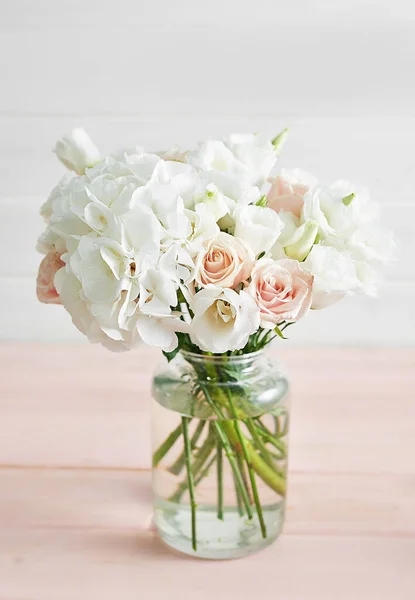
335	275
258	226
77	151
223	319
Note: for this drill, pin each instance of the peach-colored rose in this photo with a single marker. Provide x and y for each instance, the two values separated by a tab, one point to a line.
225	261
288	190
45	286
281	289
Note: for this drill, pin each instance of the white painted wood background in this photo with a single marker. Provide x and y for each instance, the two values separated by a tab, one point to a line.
339	74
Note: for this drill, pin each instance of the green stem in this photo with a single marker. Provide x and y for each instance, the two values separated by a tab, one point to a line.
241	466
251	473
268	475
234	466
220	428
238	498
187	448
267	435
263	450
161	452
219	465
179	463
198	464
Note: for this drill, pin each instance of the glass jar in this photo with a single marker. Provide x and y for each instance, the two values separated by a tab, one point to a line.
220	426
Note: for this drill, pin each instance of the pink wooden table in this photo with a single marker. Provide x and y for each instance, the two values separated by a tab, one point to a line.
75	482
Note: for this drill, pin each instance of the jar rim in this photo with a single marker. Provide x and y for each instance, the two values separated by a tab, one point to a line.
238	358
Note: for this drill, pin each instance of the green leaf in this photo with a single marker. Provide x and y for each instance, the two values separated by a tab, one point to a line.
280	140
261	255
279	332
262	201
287	325
348	199
172	354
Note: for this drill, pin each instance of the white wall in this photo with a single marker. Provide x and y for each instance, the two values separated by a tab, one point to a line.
339	74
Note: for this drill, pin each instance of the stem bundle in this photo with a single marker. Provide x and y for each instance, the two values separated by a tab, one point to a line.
250	458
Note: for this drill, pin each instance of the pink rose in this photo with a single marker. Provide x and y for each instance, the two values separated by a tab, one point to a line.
225	261
281	289
288	190
45	286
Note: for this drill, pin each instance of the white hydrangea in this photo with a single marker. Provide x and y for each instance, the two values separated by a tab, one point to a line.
109	237
235	164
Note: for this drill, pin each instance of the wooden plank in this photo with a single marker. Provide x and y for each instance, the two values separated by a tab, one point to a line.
64	534
329	504
84	533
358	403
63	564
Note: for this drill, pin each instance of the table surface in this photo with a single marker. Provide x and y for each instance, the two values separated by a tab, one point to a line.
75	497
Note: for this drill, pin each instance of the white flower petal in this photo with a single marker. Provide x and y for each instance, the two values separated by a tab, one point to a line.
223	319
77	151
259	227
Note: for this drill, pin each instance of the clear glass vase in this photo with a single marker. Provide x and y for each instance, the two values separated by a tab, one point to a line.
220	427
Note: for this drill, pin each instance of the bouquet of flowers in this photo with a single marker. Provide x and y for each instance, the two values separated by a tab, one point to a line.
210	252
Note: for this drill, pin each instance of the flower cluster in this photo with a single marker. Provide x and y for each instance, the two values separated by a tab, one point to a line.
207	247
